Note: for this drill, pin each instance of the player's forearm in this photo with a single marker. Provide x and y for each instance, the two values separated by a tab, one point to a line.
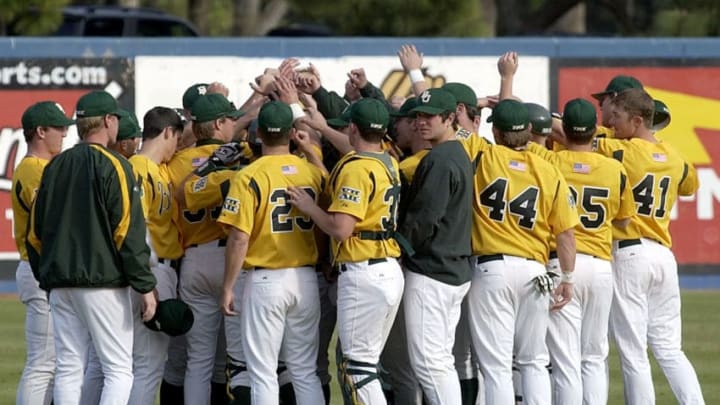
235	251
566	250
329	223
419	87
340	141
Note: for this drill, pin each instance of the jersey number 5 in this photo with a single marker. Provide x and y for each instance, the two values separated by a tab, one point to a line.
280	220
522	206
593	204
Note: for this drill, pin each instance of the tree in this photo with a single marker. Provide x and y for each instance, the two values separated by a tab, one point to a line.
17	18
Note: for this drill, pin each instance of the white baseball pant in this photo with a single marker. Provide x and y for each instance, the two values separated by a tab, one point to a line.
328	317
395	359
79	321
646	309
234	337
36	382
577	336
509	315
280	314
201	281
432	311
368	298
150	347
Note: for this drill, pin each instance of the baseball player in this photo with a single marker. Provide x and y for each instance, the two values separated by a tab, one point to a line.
520	201
86	244
204	242
577	335
363	188
162	127
436	225
44	127
404	386
281	308
129	136
646	301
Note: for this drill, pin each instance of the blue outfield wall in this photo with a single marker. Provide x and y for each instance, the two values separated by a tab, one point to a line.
554	47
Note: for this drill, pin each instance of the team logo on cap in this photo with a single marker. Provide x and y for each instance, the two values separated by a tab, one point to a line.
425	96
202	90
375	126
272	129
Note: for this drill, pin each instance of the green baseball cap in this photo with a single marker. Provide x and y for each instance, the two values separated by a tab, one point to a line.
435	102
209	107
96	104
342	121
463	93
128	127
45	114
173	317
192	93
618	84
275	117
579	115
661	117
405	109
510	116
540	119
369	113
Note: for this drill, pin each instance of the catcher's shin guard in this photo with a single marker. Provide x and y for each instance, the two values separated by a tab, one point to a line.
348	370
238	386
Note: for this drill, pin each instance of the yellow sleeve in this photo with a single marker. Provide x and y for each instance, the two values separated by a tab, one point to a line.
627	201
563	214
474	144
351	193
611	148
240	205
543	152
203	192
689	184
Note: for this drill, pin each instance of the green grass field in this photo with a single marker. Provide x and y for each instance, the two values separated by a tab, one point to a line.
701	329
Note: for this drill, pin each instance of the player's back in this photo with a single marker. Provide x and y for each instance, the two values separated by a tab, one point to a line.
361	186
515	193
196	226
656	174
599	186
158	205
25	182
280	235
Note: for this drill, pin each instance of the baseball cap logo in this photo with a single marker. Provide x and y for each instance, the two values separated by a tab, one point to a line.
201	90
425	96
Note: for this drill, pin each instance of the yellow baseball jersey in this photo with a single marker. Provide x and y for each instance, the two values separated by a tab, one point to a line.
25	183
360	186
656	175
521	201
280	235
208	191
157	202
410	164
196	226
599	186
472	142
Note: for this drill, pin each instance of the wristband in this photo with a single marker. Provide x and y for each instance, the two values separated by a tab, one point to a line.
297	111
416	76
567	277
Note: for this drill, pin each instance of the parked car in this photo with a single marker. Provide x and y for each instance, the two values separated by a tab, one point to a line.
117	21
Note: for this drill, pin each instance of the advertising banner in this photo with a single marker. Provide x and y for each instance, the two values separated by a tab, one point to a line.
692	94
24	82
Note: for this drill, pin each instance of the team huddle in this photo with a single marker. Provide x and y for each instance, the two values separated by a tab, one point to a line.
211	254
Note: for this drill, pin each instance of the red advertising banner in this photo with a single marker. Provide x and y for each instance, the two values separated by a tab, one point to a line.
24	82
692	93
